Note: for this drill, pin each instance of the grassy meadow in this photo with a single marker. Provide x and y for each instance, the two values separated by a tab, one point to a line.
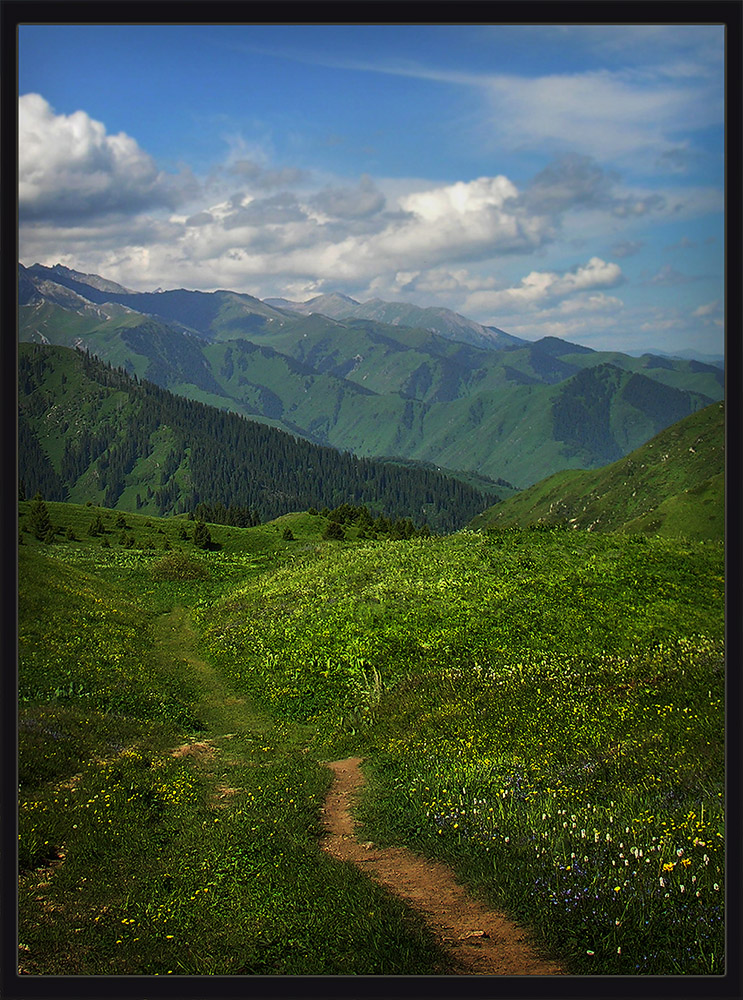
541	708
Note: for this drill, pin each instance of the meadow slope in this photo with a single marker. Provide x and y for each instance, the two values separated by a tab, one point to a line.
541	709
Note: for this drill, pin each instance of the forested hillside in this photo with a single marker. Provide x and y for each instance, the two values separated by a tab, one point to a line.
91	432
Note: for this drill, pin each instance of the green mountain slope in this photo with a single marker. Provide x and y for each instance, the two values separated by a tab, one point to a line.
672	485
517	414
91	433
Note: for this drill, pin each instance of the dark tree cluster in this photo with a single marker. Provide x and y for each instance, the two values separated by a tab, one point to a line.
368	525
236	517
34	468
214	457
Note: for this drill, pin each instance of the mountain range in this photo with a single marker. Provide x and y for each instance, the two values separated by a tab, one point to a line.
376	378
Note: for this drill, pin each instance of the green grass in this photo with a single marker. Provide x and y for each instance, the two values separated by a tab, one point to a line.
541	708
546	682
672	486
167	826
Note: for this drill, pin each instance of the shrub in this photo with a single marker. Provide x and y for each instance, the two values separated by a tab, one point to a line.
179	566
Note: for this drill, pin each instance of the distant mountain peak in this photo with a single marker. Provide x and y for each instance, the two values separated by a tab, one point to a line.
436	319
65	275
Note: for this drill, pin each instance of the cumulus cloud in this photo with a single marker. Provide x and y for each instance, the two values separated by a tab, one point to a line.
200	219
539	287
351	203
570	181
290	235
70	167
276	210
266	178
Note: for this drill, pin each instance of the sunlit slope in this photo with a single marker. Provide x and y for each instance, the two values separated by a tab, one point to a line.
308	636
673	485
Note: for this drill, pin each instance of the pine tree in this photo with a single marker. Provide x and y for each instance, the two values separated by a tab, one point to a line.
334	531
202	538
39	521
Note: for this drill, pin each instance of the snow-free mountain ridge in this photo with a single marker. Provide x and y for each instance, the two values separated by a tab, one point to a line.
516	412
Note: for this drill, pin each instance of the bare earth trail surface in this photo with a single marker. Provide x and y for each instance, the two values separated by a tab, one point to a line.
481	941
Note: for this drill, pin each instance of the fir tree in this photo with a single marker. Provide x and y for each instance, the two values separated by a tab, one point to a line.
334	531
39	521
202	538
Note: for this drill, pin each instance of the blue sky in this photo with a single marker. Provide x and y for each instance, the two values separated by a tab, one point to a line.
548	180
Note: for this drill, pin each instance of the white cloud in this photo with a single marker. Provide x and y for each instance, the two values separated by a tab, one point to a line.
69	166
340	236
351	203
644	113
708	309
539	287
590	303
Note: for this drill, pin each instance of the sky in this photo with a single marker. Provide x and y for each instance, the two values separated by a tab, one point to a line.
558	180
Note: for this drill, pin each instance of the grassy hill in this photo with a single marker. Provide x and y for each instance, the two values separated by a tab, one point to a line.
673	485
542	709
518	413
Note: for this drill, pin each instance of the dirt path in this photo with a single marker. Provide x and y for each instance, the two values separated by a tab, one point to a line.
481	941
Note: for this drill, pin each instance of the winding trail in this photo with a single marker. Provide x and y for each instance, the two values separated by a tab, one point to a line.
480	941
